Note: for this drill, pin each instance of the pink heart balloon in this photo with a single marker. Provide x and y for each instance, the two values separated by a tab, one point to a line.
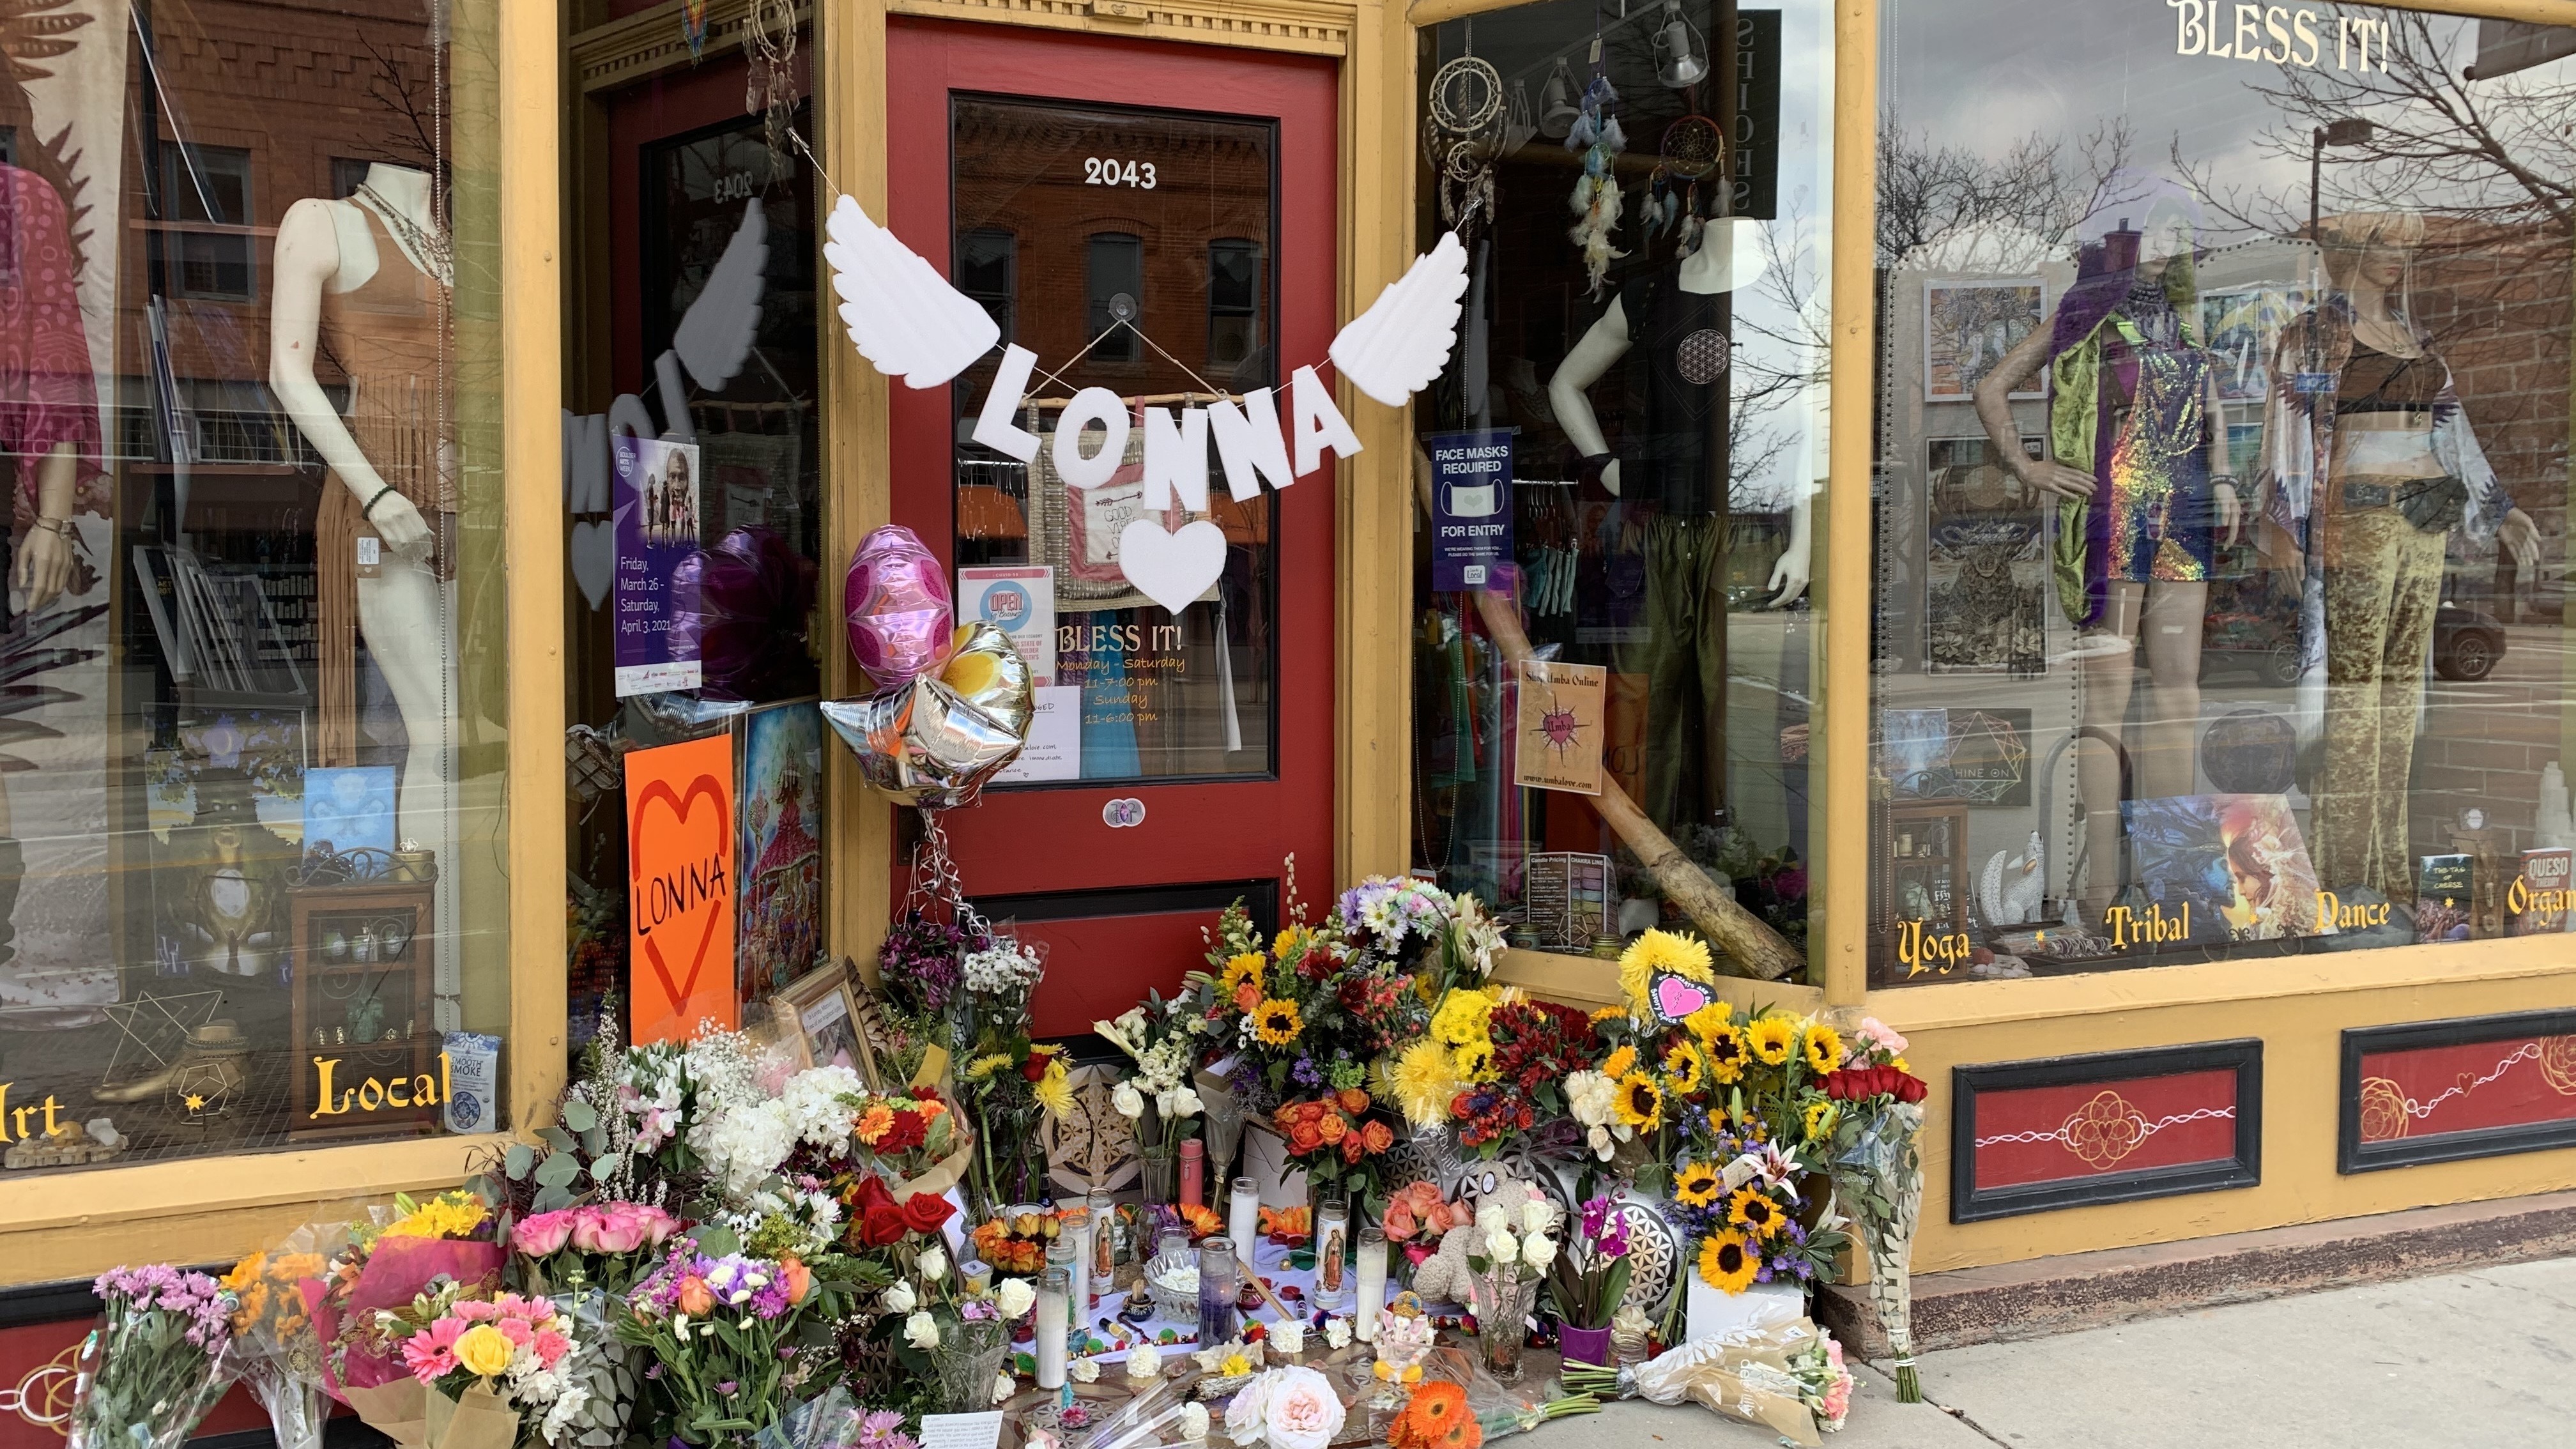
898	606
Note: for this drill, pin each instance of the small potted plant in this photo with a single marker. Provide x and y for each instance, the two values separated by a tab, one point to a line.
1588	1281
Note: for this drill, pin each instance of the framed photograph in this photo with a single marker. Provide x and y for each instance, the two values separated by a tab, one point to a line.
1967	329
827	1018
2440	1091
2078	1131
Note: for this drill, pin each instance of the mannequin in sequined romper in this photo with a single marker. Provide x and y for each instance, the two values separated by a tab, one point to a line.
363	288
2138	473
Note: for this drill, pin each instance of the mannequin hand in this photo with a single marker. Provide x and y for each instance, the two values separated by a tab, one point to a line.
2231	514
400	525
2057	480
2522	536
44	567
1788	579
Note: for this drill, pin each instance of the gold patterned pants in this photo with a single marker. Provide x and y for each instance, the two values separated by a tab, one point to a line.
2383	579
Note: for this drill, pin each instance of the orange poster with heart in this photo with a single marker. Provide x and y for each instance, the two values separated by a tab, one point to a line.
680	874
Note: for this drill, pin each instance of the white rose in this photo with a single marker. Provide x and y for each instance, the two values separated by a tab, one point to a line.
1303	1411
1599	1137
921	1331
1144	1363
1537	1216
1014	1297
934	1264
1003	1388
1501	1246
1337	1333
1184	1103
901	1299
1539	1251
1194	1423
1129	1102
1492	1218
1085	1370
1288	1335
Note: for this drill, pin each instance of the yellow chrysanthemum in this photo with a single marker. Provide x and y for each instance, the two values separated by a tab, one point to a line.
1641	1102
1819	1121
986	1065
1697	1184
1425	1082
1619	1063
1473	1062
1824	1048
1772	1039
1660	951
1727	1262
1724	1050
1463	1017
1238	970
449	1215
1685	1070
1054	1090
1753	1210
1276	1022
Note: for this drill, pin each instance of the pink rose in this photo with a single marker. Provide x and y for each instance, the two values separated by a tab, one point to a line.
551	1347
612	1229
1302	1411
1400	1225
476	1310
544	1234
517	1331
658	1225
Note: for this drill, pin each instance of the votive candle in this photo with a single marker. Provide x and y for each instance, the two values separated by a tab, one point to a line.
1370	1270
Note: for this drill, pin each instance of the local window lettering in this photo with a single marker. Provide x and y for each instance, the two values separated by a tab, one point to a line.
2280	35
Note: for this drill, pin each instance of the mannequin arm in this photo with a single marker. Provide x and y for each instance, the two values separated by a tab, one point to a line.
44	566
1789	576
1994	411
307	259
1568	392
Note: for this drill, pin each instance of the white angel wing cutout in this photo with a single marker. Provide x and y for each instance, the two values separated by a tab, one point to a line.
714	335
903	315
1395	348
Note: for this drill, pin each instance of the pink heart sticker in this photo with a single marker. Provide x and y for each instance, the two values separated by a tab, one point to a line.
1678	996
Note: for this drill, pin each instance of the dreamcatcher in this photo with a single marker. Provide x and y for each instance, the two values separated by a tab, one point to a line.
1693	148
1596	137
1466	125
769	33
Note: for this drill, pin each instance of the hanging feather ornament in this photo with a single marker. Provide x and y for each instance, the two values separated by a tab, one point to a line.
1596	137
693	28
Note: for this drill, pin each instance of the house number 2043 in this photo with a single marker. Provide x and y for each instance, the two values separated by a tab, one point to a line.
1103	171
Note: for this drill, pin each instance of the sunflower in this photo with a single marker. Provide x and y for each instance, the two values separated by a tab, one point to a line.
1054	1091
1620	1063
1288	939
1772	1039
1824	1048
1238	970
1820	1120
1708	1019
1640	1102
1607	1013
1422	1082
1723	1049
1685	1070
1697	1185
1753	1210
1727	1262
1276	1022
1660	951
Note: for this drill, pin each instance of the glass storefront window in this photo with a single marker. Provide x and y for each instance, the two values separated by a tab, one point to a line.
1612	635
2221	500
251	665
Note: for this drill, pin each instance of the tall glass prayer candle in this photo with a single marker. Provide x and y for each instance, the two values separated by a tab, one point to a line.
1217	1284
1370	1270
1055	1322
1332	1255
1104	1249
1243	1221
1193	1172
1078	1230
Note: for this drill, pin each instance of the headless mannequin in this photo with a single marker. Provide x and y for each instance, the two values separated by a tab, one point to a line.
330	245
2169	613
1704	272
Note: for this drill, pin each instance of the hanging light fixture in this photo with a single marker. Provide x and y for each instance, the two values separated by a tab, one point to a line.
1556	109
1681	56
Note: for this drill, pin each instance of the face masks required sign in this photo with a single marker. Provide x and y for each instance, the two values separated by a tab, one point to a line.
1471	509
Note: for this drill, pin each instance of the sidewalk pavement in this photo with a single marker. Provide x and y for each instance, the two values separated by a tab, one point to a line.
2476	1360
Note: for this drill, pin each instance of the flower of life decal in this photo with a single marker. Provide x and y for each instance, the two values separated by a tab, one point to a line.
2107	1129
2389	1112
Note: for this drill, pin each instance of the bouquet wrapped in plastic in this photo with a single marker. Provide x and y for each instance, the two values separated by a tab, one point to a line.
279	1348
834	1420
1458	1405
1783	1378
157	1362
1878	1178
480	1373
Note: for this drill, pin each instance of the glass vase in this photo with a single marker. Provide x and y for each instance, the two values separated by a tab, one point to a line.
968	1362
1158	1148
1503	1300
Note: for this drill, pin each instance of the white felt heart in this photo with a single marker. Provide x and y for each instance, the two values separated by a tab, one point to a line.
1172	569
594	559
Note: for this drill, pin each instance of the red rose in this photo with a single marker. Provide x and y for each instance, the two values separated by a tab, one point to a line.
923	1212
1353	1148
871	1192
882	1225
1035	1067
1910	1088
